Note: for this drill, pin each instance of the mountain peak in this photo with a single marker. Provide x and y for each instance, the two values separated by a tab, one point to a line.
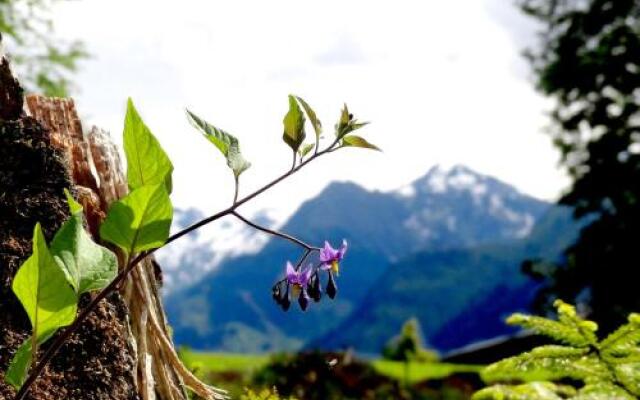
439	180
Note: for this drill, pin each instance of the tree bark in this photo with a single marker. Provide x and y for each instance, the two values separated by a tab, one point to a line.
123	351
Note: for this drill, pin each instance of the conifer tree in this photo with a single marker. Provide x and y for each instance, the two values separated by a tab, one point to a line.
588	61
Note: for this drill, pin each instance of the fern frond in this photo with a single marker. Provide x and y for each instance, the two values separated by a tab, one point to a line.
623	357
568	316
548	363
528	391
624	339
628	375
552	329
603	391
610	369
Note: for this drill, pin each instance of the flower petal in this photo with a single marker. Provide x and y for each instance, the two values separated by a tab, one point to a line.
292	275
343	249
305	276
327	252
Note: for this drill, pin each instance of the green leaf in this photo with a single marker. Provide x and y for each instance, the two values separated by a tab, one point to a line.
315	122
347	123
140	221
225	142
147	163
345	117
357	141
87	265
74	206
42	288
19	367
293	122
304	150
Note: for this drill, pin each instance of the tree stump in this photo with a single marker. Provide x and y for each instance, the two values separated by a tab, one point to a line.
123	350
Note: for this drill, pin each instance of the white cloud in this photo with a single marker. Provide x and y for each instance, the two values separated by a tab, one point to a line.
436	79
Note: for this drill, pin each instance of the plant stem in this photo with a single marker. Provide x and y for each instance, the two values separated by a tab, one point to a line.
304	257
122	275
274	232
237	188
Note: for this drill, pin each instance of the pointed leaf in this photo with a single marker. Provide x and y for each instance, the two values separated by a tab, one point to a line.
225	142
19	367
87	265
347	123
315	122
357	141
293	122
140	221
42	288
345	117
147	162
304	150
74	206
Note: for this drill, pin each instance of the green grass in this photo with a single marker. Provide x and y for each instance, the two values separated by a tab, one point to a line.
206	362
421	371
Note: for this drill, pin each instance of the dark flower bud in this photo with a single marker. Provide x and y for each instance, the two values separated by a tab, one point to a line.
332	288
285	302
314	288
303	299
276	292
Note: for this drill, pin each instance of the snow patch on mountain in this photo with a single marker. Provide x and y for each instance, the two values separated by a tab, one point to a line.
440	180
433	196
187	260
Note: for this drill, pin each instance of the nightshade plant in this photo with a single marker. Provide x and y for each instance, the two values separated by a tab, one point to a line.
605	369
50	281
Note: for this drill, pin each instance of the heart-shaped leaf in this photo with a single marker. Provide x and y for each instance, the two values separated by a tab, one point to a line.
87	265
49	301
140	221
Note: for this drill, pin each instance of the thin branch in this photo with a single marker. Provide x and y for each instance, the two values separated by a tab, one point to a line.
274	232
122	275
304	257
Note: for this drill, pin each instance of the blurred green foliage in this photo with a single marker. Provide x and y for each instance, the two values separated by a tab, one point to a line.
409	345
265	394
587	61
44	62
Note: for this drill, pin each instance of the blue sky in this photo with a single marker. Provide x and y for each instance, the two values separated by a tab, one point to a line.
441	82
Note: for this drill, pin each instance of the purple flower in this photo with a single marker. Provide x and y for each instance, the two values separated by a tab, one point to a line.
299	280
331	257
